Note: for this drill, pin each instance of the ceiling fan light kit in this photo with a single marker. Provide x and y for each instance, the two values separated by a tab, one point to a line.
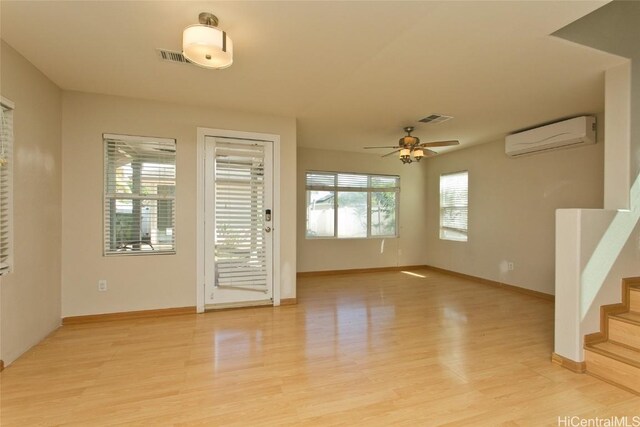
409	142
206	45
410	148
405	155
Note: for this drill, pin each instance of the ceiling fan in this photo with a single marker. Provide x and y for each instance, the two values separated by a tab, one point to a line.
410	145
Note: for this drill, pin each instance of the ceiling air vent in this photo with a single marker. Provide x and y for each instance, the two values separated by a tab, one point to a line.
435	118
170	56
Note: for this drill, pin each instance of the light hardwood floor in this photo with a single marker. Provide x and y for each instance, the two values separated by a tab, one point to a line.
364	349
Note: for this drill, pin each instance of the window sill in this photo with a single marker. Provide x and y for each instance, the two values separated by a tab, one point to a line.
352	238
138	253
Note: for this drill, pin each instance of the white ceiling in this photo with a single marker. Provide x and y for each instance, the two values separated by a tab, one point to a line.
352	73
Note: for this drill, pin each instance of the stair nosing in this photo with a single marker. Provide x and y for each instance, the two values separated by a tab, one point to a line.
624	319
621	344
612	382
622	359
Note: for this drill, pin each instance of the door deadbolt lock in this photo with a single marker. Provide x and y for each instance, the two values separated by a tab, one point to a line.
267	215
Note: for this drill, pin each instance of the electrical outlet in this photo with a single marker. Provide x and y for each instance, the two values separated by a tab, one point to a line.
102	285
510	266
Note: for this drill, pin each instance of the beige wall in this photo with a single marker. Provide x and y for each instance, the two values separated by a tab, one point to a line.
148	282
343	254
512	204
30	295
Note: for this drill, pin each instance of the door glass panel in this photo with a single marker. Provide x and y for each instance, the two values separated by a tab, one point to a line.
240	243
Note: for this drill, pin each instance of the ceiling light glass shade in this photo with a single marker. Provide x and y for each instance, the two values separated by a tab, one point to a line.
207	46
418	154
405	155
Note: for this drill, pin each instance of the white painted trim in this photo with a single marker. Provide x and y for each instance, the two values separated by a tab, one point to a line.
200	216
200	238
276	220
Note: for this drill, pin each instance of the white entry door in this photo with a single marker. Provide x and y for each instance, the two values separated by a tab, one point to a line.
238	222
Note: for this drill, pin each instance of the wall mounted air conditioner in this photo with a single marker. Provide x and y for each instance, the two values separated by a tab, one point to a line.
568	133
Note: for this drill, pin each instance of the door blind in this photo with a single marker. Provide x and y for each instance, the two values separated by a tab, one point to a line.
240	241
6	186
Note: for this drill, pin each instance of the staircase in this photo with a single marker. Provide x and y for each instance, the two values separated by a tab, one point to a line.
613	354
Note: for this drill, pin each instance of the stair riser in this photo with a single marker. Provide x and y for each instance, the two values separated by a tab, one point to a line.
613	370
624	333
634	300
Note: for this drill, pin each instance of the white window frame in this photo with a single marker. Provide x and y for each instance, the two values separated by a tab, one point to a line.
108	197
6	182
449	233
368	189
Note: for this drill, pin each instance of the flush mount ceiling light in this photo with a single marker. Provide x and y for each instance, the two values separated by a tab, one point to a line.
206	45
411	149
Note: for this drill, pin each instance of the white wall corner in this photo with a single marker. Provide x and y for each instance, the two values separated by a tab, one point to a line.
617	137
567	339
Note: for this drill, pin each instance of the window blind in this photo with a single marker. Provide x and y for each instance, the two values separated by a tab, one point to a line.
6	186
351	205
317	180
350	182
139	195
454	206
385	181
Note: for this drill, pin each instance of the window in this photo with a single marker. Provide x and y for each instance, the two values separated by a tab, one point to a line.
6	186
139	195
454	206
343	205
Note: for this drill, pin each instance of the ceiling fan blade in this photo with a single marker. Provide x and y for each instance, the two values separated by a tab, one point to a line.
439	143
383	146
393	152
429	153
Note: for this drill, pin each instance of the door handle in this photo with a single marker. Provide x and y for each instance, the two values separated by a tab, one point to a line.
267	229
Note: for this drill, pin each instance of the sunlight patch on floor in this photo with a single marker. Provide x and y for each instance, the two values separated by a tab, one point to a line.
414	274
